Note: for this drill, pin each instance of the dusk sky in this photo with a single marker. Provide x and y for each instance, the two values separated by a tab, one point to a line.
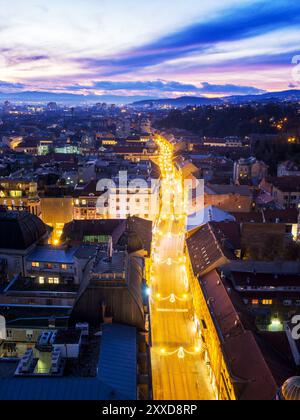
157	48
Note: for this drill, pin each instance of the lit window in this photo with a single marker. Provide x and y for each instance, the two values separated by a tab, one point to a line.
42	280
255	302
64	267
35	264
16	194
50	280
56	280
267	302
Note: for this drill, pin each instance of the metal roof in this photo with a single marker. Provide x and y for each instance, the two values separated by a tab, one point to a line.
116	379
52	255
118	359
57	389
208	214
20	230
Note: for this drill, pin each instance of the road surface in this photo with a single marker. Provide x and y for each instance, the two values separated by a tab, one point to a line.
178	371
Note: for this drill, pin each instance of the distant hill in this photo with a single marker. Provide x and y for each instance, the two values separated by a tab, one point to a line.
67	98
182	101
77	99
288	95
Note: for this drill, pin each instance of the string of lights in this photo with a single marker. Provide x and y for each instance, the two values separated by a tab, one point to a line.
181	352
172	298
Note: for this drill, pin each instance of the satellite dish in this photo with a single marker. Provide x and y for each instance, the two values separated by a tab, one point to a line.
2	328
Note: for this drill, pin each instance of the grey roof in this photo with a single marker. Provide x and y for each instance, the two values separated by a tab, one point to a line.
242	190
52	255
27	316
118	359
116	378
116	265
274	267
208	214
44	389
206	250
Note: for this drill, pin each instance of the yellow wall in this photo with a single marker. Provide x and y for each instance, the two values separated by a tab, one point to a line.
56	212
219	375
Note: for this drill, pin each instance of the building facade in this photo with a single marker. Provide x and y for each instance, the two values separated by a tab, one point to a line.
20	194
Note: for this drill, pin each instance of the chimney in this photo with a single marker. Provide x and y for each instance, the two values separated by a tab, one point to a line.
103	309
51	322
110	249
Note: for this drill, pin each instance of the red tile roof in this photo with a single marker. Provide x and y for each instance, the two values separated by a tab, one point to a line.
251	375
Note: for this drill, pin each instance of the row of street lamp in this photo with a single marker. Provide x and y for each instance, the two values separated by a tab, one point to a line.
172	185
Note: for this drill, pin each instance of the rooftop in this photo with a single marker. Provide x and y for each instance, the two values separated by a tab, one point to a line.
78	229
70	336
207	250
228	231
28	284
209	214
265	280
34	316
116	377
52	255
289	216
285	183
279	267
118	363
256	375
20	230
242	190
116	265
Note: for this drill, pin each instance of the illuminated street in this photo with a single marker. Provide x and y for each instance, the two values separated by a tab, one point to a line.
179	373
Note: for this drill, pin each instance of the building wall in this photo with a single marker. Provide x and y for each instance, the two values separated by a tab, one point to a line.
18	194
117	204
51	299
23	335
282	198
56	212
15	261
211	345
286	199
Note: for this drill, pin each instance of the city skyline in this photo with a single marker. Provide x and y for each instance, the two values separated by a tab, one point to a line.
149	49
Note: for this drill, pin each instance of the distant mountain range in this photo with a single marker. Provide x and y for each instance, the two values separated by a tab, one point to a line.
77	99
180	102
67	98
288	95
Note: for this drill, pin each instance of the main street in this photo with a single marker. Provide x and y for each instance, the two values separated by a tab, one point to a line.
178	371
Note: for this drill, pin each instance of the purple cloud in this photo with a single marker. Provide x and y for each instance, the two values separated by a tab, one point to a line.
162	86
231	25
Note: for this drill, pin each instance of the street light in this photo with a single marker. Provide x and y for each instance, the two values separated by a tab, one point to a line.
180	353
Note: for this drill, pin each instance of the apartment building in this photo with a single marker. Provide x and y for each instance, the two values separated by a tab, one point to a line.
285	191
64	265
138	198
20	194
